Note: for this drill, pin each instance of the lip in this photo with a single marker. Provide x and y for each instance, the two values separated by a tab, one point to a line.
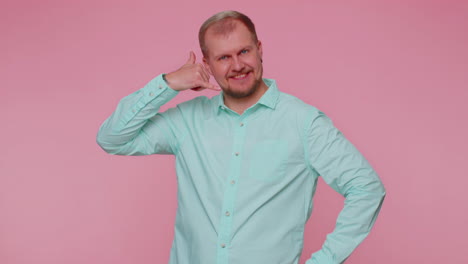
241	78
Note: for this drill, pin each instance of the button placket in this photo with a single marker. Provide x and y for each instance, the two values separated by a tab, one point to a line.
230	192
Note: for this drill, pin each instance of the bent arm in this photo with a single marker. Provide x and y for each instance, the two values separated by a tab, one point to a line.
346	170
136	127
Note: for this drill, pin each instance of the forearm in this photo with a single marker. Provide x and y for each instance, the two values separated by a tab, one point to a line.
121	133
348	172
361	208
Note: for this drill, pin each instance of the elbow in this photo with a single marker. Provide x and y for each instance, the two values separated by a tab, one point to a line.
101	144
107	147
379	191
382	191
372	190
376	187
377	194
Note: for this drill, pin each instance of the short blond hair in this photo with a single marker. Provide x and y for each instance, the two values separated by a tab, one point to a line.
224	23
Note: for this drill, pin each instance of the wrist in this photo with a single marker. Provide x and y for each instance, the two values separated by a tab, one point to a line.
169	81
164	78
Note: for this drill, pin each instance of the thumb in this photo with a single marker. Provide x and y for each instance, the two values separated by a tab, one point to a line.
191	59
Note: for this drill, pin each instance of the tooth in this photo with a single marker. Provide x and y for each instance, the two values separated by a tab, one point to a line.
239	76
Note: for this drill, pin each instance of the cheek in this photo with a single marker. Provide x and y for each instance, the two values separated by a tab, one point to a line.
219	71
218	76
253	62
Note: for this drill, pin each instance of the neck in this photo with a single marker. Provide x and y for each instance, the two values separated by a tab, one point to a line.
239	105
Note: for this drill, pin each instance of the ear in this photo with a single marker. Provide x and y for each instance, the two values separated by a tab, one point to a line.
207	66
260	50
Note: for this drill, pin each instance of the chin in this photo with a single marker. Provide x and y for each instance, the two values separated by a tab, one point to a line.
244	92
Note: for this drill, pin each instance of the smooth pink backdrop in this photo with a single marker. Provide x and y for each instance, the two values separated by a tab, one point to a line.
393	75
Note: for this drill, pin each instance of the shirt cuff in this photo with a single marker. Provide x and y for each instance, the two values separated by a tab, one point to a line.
159	87
154	94
320	257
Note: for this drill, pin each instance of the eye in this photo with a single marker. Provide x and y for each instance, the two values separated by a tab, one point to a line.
223	57
244	51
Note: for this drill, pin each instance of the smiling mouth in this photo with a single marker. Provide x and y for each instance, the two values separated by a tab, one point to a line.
240	76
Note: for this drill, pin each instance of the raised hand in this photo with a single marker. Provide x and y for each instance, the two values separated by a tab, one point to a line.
191	75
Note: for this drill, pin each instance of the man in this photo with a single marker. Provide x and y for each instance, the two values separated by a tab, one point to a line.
247	160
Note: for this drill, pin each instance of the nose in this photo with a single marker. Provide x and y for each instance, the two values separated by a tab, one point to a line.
237	64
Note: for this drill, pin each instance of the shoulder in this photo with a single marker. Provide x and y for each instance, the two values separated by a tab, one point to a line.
293	112
297	107
200	105
194	102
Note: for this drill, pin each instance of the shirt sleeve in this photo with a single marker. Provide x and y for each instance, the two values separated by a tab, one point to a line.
136	127
346	170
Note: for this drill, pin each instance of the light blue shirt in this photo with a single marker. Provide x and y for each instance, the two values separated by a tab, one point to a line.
246	182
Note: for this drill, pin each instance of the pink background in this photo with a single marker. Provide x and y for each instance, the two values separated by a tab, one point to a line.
392	75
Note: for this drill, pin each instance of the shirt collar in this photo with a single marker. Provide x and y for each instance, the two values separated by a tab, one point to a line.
268	99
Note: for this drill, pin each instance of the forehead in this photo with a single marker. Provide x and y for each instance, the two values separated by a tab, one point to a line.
227	37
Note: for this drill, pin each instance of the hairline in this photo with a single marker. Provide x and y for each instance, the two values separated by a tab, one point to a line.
226	18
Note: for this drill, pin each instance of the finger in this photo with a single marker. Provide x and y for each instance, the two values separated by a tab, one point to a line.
191	59
207	70
208	85
197	89
204	74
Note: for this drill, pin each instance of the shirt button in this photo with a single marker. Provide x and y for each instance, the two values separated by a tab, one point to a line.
241	124
227	213
151	94
223	245
133	111
233	181
237	153
160	87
